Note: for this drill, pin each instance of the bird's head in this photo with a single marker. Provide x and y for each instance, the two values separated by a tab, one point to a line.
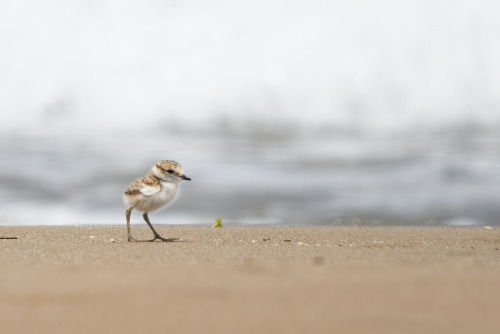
170	171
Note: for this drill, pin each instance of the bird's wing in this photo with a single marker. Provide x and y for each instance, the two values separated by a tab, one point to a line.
148	190
147	186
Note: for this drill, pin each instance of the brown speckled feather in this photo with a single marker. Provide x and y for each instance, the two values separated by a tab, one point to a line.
149	181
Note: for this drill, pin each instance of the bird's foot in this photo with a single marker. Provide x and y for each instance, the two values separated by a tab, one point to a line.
131	239
164	239
157	237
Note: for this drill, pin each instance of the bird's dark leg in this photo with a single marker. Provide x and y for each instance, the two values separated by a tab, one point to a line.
157	236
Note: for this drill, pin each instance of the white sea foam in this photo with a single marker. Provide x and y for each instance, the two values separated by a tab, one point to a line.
463	221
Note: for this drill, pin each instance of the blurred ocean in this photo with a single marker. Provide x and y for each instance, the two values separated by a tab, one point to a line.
284	112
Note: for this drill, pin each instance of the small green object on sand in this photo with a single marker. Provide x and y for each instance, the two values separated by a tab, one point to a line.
218	223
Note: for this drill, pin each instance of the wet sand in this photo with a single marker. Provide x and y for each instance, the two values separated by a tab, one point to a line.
250	280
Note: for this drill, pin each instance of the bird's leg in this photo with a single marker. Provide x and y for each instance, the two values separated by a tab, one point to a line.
129	235
157	236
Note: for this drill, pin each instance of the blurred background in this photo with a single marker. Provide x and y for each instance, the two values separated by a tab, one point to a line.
282	112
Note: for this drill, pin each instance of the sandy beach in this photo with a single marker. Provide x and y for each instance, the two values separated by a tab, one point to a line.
250	280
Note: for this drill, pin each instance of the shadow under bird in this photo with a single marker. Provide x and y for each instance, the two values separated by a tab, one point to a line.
153	192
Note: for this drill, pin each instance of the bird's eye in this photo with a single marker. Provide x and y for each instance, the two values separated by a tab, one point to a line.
170	171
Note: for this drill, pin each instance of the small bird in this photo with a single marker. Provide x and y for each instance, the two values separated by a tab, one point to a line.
153	192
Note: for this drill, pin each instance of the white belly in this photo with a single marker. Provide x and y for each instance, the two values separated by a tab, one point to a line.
161	199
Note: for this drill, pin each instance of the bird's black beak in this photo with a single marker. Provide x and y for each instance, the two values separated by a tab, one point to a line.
184	177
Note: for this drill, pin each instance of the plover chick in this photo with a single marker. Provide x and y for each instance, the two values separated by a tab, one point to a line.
153	192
